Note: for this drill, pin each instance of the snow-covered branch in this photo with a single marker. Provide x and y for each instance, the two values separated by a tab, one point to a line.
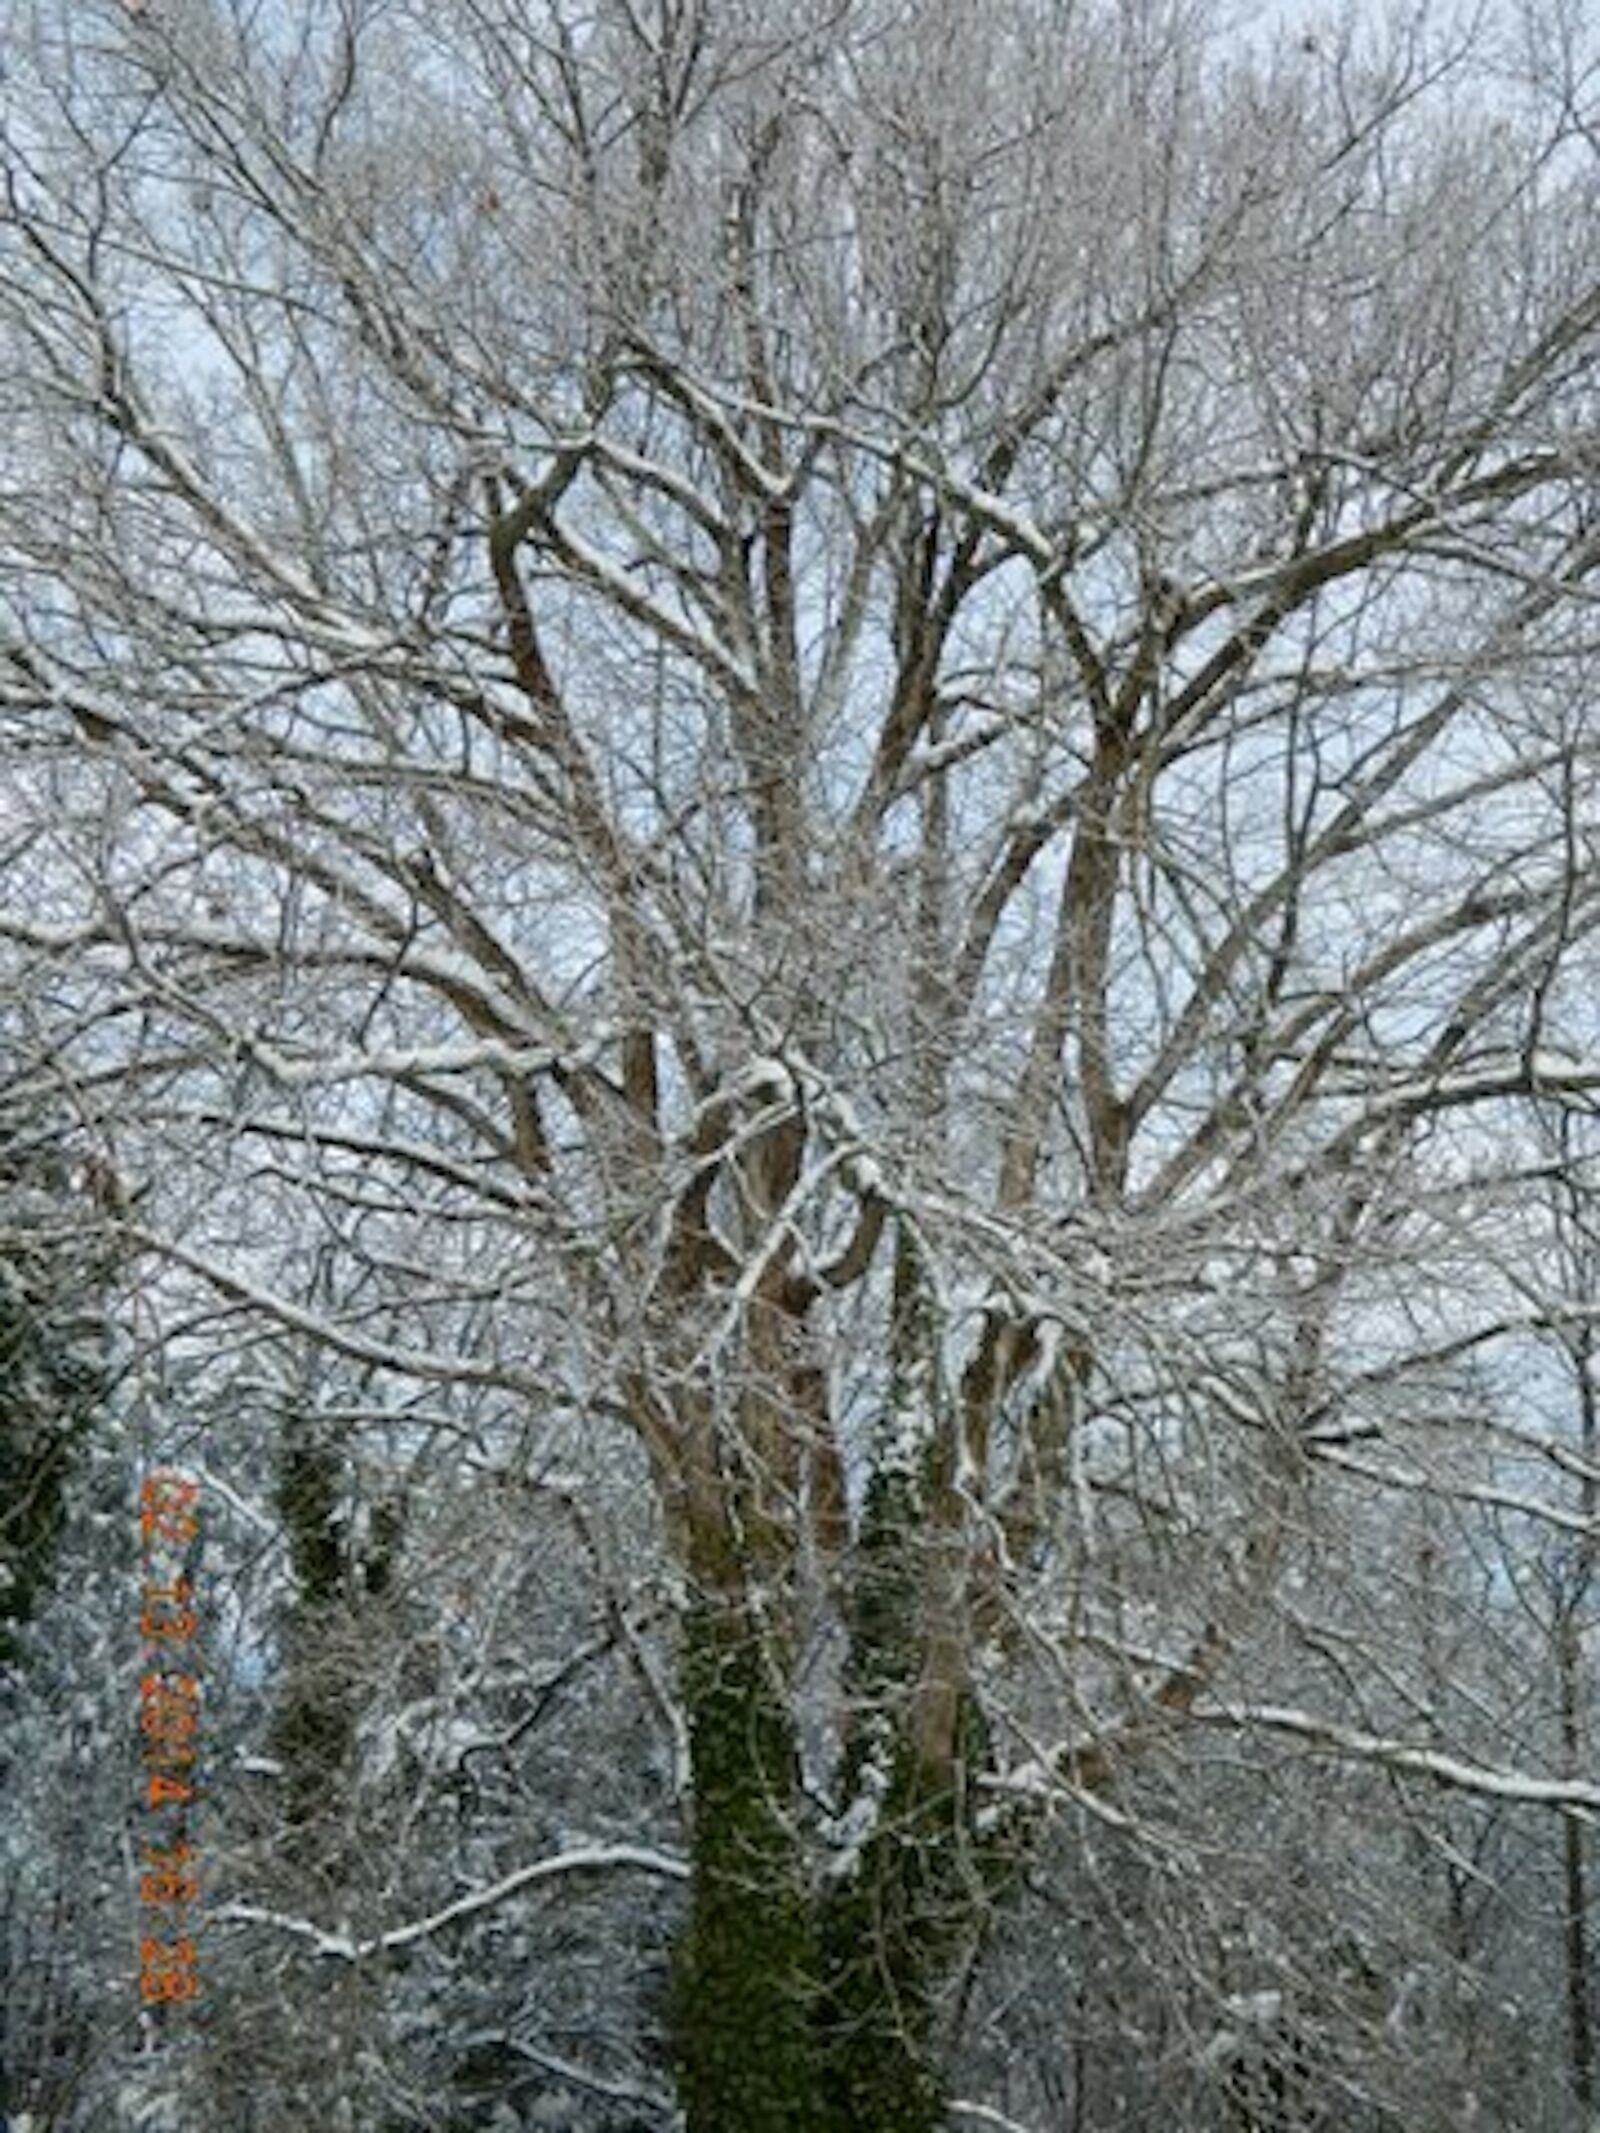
585	1859
1574	1795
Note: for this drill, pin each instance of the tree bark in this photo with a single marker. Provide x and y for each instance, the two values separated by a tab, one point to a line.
745	2055
808	1992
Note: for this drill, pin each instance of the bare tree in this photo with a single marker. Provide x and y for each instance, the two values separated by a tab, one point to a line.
839	741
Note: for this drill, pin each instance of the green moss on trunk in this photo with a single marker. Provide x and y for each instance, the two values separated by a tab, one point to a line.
742	2033
892	1927
314	1733
51	1354
893	1931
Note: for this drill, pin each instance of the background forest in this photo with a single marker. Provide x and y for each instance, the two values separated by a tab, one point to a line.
799	825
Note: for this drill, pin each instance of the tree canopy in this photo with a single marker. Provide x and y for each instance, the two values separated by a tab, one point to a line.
805	797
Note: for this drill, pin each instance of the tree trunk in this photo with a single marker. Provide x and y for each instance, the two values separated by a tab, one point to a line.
314	1730
1569	1639
889	1936
742	2030
806	2003
897	1918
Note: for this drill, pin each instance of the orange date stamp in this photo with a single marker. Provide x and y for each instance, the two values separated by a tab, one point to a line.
170	1706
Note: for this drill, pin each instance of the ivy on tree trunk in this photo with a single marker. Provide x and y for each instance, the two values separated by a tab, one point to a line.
742	2020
